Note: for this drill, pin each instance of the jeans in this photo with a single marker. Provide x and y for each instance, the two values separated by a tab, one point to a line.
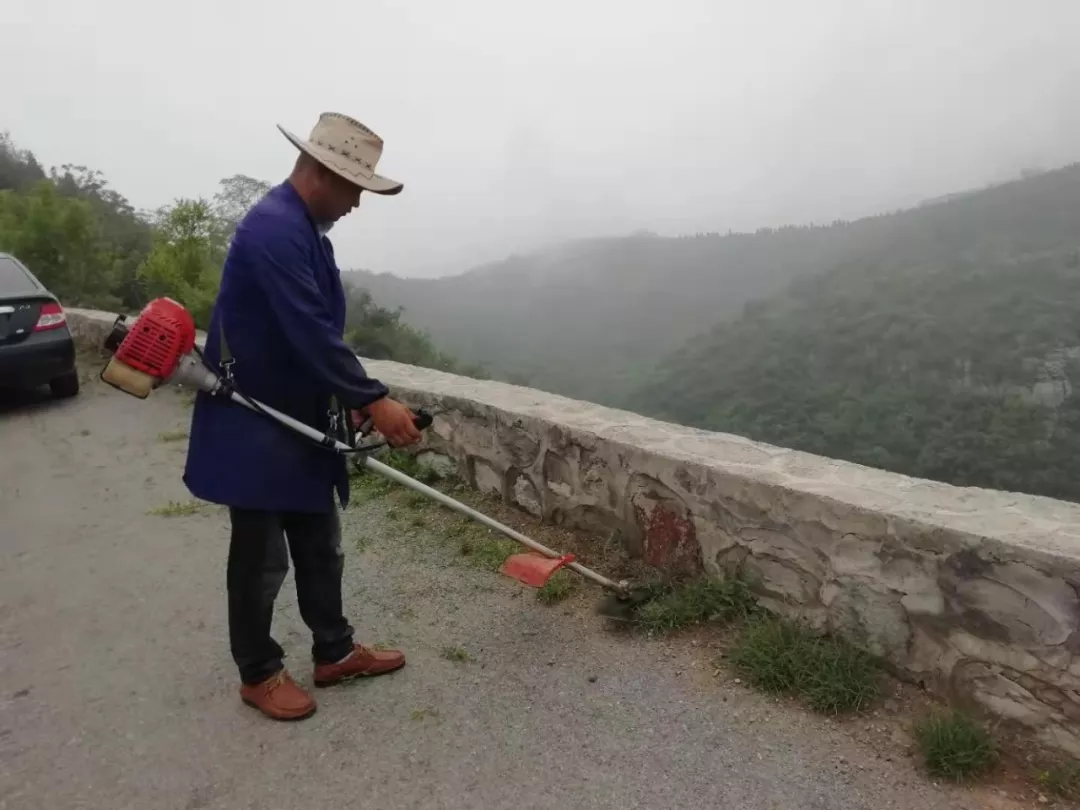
258	563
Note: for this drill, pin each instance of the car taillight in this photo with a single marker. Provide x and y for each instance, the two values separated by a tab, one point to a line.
51	317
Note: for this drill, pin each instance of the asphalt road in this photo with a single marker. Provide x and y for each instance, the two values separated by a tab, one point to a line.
117	691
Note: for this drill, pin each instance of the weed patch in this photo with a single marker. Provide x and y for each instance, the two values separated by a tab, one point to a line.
369	486
830	675
954	745
1062	779
557	588
706	599
407	464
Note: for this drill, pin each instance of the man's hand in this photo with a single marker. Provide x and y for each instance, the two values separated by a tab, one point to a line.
394	421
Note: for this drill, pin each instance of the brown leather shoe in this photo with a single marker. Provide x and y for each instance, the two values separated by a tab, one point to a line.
279	697
362	662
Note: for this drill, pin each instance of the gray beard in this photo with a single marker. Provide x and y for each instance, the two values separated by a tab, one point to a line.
325	227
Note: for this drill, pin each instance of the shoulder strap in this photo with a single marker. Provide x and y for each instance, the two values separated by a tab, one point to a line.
226	354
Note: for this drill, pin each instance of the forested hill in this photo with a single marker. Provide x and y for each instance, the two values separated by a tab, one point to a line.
590	319
953	356
92	248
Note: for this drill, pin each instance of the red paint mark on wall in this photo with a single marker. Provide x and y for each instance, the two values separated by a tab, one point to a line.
669	541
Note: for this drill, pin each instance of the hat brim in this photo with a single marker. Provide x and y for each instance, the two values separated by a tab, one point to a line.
376	184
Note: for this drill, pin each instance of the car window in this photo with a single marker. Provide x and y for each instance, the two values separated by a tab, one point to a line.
14	280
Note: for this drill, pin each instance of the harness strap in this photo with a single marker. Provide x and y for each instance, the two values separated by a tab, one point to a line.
337	416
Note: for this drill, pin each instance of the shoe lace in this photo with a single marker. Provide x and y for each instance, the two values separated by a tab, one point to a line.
280	679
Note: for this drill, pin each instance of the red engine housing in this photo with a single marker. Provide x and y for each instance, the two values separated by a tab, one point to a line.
162	334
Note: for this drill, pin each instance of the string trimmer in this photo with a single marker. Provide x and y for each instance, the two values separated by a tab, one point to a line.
159	348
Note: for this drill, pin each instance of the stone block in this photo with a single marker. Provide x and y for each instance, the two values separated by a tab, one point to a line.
1014	602
872	617
524	493
516	444
485	477
442	464
665	527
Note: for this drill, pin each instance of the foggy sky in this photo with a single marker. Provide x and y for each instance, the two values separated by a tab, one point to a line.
517	124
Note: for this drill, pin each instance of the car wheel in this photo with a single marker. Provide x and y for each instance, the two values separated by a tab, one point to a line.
66	386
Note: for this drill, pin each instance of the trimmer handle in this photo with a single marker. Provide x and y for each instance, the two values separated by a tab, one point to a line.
421	418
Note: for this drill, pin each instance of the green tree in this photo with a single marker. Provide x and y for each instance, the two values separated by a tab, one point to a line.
60	238
235	197
186	259
88	244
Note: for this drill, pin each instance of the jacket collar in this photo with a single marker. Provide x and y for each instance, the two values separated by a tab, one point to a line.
290	197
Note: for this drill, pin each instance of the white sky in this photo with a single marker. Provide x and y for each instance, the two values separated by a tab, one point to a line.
516	124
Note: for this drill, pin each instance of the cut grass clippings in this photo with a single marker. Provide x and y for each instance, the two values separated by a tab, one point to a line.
421	714
177	509
455	653
954	745
781	658
484	550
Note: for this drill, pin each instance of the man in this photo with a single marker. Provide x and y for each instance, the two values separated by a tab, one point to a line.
277	328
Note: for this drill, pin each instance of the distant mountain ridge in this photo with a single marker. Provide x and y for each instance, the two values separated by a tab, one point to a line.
954	357
592	318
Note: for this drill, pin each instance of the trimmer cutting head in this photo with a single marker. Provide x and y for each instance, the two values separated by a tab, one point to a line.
622	606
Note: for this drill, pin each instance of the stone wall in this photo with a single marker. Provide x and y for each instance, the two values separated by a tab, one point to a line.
973	592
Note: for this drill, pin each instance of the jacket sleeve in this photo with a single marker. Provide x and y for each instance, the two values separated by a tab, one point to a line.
280	268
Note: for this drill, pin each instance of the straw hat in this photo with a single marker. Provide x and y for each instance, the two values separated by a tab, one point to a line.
347	148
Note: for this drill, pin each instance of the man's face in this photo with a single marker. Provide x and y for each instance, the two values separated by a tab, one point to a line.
337	197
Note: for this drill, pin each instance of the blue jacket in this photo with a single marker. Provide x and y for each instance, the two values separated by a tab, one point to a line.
282	306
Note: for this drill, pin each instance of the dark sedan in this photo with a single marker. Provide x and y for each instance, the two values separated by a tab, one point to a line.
36	348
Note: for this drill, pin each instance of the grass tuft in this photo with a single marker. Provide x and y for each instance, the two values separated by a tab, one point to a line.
954	745
177	509
557	588
702	600
829	674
